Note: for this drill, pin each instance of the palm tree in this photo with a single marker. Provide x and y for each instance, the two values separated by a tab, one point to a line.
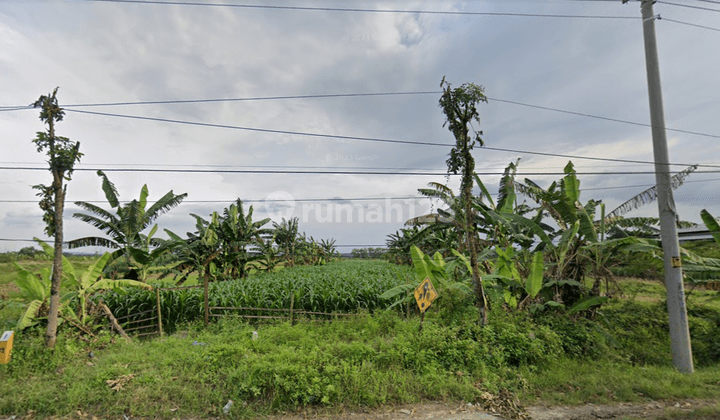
124	228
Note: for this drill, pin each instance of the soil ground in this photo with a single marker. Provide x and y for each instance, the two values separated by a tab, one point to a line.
681	409
440	411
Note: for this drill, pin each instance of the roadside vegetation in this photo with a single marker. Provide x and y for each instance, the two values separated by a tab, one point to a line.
373	359
535	302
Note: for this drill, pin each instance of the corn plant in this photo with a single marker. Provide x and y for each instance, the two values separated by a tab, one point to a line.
339	287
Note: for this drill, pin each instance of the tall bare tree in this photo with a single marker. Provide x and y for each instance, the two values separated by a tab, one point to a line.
460	108
62	155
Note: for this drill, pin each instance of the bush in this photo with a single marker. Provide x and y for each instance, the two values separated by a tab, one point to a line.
705	335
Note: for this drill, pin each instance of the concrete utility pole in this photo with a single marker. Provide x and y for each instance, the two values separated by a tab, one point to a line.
679	332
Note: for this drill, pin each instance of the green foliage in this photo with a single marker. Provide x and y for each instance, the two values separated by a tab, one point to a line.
451	292
371	253
35	289
705	334
367	361
236	232
346	286
640	331
124	228
62	156
535	279
698	268
91	282
30	252
460	108
286	235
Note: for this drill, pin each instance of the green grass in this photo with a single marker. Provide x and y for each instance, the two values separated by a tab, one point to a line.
711	412
371	360
367	361
572	381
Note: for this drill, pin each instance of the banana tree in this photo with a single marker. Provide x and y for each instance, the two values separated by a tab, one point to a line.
91	281
575	228
35	287
148	258
199	250
438	271
34	291
268	254
286	237
703	269
236	232
124	228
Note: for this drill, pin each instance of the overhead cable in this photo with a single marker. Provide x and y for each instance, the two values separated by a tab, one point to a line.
690	6
195	101
357	10
371	139
294	172
300	200
692	24
189	101
261	130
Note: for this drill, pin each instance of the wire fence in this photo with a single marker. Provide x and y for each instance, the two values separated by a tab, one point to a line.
149	322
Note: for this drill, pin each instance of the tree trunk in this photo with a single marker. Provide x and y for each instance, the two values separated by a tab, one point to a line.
466	197
51	332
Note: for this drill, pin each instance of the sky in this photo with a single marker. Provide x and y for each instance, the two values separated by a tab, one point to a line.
288	64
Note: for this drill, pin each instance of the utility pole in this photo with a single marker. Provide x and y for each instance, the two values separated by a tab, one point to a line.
679	331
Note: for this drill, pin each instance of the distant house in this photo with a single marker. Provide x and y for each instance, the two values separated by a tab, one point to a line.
695	233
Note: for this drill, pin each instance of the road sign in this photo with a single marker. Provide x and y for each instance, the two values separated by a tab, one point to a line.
425	294
6	342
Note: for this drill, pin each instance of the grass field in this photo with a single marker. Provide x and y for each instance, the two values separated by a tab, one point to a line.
370	360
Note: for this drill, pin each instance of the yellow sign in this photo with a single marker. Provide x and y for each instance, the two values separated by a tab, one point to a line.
6	342
676	262
425	294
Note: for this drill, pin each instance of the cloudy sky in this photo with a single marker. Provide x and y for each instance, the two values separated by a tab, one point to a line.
124	52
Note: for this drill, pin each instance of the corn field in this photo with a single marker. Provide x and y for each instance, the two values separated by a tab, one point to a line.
341	287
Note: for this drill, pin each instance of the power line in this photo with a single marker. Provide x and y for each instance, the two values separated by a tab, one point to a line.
311	200
294	172
499	149
371	139
66	242
269	167
193	101
348	167
617	187
564	111
687	5
582	114
234	171
261	130
357	10
692	24
642	185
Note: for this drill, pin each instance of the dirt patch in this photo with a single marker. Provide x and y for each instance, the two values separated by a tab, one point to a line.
435	410
647	410
442	411
681	409
7	289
